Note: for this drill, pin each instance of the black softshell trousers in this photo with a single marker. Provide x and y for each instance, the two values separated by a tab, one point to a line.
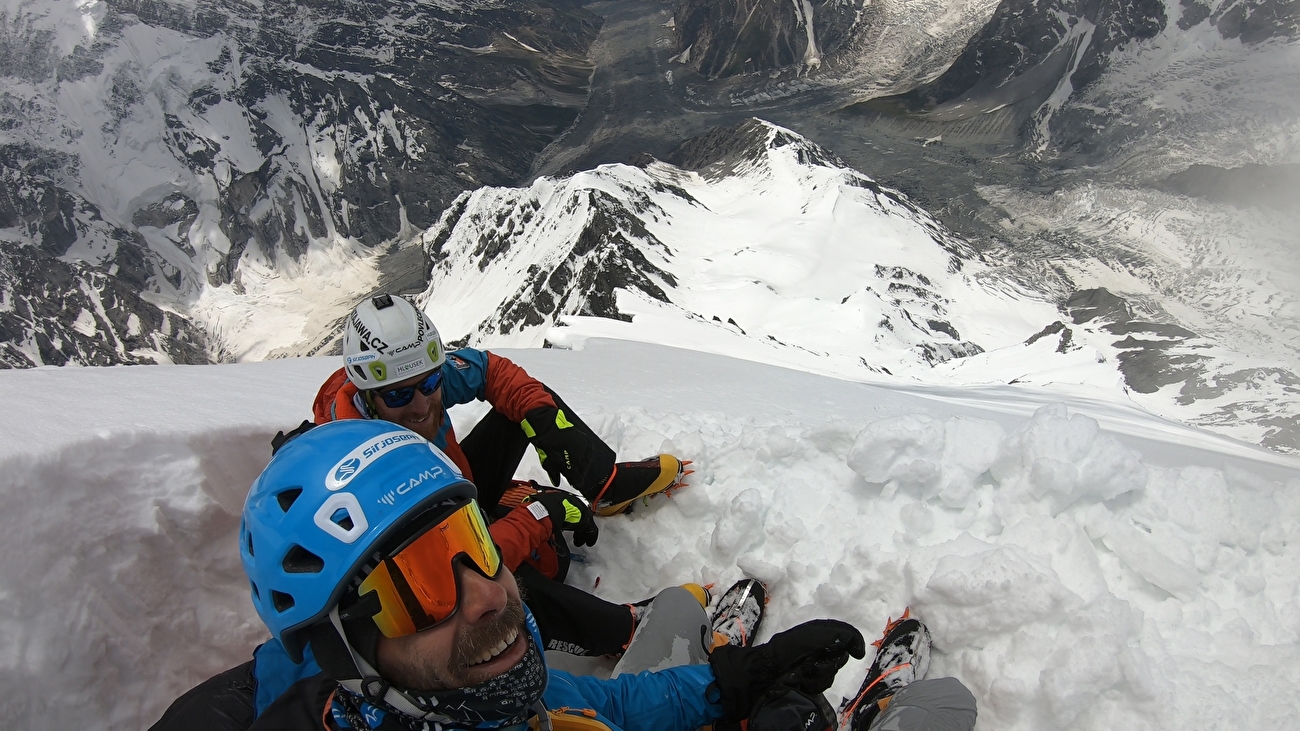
570	619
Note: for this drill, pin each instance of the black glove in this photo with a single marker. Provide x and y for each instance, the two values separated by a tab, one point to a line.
567	447
793	711
568	513
281	438
803	658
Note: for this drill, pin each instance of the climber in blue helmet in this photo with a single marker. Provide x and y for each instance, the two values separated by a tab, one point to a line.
365	547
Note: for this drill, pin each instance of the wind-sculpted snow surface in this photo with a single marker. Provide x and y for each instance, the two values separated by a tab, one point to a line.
1081	566
119	587
1074	578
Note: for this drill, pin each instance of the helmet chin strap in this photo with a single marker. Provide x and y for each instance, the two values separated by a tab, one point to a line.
365	403
375	689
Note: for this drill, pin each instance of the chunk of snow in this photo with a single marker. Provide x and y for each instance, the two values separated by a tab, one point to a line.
85	323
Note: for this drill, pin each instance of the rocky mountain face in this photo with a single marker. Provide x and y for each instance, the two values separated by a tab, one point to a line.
729	37
1073	37
1016	77
787	48
1017	72
57	309
58	312
167	157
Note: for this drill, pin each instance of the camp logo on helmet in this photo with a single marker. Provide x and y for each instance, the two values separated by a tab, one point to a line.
404	348
406	486
360	458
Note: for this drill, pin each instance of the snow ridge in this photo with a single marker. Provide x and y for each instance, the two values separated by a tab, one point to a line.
769	219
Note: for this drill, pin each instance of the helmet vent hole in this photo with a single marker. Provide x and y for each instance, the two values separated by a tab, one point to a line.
281	601
301	561
249	540
257	595
360	373
285	499
342	518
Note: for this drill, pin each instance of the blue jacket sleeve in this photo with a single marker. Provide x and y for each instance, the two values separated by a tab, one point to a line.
464	377
675	699
274	672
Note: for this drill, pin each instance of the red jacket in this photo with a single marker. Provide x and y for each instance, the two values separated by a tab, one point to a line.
469	375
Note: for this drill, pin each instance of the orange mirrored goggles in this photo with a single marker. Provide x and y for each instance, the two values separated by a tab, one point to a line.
417	585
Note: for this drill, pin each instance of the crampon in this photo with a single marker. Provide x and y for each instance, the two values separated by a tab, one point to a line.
632	481
902	656
739	613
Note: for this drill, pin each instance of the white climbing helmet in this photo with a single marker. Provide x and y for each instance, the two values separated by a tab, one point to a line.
387	339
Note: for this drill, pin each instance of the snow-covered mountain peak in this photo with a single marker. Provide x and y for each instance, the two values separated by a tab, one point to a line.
752	241
750	146
757	238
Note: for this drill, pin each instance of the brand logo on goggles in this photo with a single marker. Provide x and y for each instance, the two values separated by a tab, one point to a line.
360	458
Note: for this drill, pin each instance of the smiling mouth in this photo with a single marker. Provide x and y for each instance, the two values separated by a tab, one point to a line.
493	653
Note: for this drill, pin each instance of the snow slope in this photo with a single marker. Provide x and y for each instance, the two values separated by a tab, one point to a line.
1082	565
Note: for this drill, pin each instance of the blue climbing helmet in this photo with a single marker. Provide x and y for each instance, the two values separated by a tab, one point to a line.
319	510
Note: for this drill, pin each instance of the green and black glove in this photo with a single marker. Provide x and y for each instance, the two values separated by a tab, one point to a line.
803	659
568	513
568	447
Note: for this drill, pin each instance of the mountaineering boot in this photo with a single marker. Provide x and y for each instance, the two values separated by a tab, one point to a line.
739	614
902	656
632	481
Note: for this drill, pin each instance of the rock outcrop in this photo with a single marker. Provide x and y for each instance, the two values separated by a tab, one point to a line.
169	150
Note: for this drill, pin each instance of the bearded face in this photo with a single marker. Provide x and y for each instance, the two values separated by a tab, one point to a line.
485	638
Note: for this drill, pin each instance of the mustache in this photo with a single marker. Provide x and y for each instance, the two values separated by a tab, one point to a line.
472	645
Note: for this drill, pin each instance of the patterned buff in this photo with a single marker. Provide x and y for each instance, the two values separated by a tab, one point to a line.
500	703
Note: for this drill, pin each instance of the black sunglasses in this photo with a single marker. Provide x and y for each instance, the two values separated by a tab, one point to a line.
396	398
